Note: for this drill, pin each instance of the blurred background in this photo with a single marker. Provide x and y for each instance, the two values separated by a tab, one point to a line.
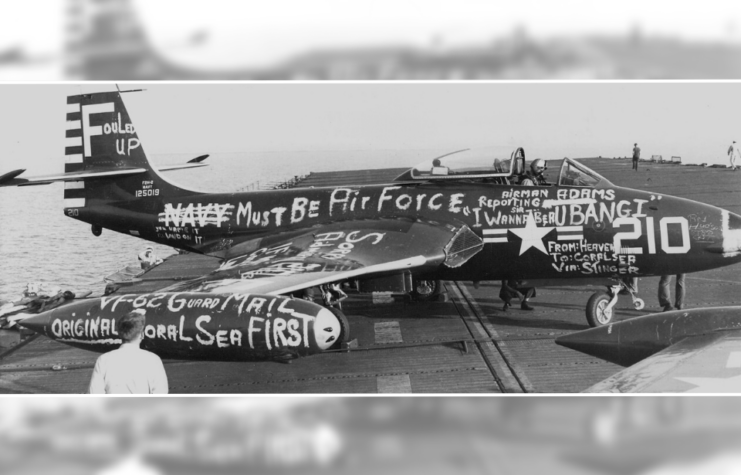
368	39
370	435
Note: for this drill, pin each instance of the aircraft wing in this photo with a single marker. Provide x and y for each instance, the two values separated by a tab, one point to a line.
709	363
309	257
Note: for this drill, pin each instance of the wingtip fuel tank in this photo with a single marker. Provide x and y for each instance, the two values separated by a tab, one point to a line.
200	326
630	341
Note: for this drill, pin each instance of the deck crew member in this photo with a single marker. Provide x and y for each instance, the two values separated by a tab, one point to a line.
147	258
665	296
734	153
129	369
511	289
636	156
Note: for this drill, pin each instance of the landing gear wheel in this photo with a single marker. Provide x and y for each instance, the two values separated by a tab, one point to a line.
597	312
638	304
344	329
425	289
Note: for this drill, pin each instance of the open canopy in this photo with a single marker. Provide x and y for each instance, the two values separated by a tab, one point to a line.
577	174
468	163
488	163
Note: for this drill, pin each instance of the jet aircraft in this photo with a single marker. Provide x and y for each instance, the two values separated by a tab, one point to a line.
460	216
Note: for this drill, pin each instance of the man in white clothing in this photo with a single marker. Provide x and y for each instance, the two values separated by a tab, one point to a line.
734	153
129	369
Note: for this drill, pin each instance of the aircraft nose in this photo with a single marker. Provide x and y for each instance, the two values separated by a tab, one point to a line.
38	323
730	243
327	329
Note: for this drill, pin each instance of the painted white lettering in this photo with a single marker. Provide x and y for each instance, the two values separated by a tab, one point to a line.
222	340
455	202
432	205
251	329
209	340
174	305
384	196
294	336
314	209
279	327
181	334
244	210
235	337
298	210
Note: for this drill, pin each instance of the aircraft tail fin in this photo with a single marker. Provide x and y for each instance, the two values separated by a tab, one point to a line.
104	158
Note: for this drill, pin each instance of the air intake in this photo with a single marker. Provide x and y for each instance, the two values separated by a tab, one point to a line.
464	245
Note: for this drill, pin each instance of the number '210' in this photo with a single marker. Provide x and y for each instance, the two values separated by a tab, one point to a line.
663	232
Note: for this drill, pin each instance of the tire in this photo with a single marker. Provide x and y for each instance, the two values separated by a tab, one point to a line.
596	315
639	304
344	329
425	289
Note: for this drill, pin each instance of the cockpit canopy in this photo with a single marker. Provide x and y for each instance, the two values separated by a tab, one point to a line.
468	164
576	174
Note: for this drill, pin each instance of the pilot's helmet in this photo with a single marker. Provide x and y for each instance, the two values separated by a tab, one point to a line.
538	166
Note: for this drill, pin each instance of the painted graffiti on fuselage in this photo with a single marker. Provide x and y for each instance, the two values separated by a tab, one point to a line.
287	259
269	322
339	202
124	146
554	225
184	222
569	207
590	258
702	229
196	215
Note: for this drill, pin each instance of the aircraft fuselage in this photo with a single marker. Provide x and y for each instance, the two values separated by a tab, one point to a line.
529	231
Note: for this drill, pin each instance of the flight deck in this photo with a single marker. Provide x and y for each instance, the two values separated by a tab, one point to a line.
463	343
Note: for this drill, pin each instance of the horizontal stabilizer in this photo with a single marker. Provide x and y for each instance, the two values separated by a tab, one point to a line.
71	176
199	159
10	175
10	178
167	168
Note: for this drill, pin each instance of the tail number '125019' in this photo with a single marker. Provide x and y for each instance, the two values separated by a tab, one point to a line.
636	233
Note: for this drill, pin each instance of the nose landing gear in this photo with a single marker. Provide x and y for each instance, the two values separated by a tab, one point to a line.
600	305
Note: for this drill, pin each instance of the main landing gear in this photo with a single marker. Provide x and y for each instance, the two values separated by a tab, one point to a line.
425	289
600	305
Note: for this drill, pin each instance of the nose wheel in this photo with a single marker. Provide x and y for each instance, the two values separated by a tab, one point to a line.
599	309
601	304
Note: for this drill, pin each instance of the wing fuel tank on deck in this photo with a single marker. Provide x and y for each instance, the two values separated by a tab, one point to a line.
198	326
630	341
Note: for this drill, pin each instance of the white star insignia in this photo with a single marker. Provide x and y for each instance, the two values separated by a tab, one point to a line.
532	235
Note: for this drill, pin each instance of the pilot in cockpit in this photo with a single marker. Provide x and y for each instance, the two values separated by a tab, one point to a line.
500	167
438	169
534	176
